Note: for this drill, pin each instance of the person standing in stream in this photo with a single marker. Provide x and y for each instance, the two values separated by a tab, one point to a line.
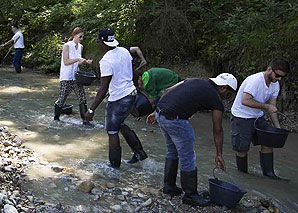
175	107
116	77
258	92
70	60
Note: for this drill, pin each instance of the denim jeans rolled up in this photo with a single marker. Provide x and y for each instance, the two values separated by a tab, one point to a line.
179	136
17	57
116	112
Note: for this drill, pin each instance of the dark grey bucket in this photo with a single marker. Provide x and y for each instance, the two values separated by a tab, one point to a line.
84	78
270	136
223	193
142	105
67	109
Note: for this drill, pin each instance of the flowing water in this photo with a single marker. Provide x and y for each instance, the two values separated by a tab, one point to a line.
27	101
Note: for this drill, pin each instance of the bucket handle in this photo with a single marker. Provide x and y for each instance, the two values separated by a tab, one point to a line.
291	121
213	171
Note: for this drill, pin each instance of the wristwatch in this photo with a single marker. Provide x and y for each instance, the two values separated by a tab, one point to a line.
90	111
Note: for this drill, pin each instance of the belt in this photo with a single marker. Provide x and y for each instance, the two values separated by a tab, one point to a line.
171	116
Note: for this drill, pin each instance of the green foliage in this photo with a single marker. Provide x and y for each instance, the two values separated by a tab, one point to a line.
239	37
47	53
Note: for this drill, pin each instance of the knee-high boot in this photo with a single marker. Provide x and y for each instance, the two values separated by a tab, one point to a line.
241	163
189	182
170	175
115	156
83	110
266	161
57	112
134	143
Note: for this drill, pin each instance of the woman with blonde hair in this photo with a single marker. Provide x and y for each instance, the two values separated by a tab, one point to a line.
70	60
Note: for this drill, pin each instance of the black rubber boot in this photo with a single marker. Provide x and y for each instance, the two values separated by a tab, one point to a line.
241	163
171	168
83	110
18	69
115	157
134	143
189	185
57	112
266	161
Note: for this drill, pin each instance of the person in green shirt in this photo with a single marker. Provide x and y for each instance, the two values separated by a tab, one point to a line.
156	80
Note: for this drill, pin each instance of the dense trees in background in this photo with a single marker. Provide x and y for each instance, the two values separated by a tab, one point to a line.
229	36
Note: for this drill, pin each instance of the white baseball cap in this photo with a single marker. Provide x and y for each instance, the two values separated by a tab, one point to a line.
225	79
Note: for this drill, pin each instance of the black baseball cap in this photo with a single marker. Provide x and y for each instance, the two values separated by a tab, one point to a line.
108	37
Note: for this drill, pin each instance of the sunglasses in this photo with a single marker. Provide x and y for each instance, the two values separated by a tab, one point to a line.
278	75
80	36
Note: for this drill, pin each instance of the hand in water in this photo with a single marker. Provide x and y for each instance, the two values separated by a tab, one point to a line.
151	119
220	163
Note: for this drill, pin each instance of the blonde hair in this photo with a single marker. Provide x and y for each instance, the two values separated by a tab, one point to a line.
74	32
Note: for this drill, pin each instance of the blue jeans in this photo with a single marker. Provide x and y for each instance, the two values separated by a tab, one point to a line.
179	137
17	57
117	112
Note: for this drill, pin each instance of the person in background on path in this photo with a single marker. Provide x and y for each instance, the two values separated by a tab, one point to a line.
175	107
155	81
116	77
18	44
70	60
257	92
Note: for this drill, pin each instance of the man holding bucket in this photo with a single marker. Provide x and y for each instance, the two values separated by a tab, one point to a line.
257	92
174	109
116	76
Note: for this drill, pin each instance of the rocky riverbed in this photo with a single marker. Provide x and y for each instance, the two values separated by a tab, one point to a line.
118	195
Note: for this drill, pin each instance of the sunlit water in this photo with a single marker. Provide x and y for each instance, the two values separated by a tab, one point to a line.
27	101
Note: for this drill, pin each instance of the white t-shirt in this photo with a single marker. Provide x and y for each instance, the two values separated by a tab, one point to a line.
18	43
254	85
67	72
117	62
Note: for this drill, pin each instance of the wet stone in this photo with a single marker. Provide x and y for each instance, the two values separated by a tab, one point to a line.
116	208
9	209
86	186
110	185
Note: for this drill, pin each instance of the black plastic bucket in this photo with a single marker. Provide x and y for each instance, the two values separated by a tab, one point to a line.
67	109
84	78
142	105
223	193
270	136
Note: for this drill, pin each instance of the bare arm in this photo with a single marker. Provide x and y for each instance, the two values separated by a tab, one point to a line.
66	59
138	52
102	91
218	138
273	116
8	42
248	100
101	94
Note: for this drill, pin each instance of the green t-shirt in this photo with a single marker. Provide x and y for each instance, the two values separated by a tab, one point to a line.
157	80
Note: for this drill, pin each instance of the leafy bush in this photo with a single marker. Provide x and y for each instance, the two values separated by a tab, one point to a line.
47	53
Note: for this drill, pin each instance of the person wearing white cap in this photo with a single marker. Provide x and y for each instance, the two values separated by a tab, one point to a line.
116	77
258	92
175	107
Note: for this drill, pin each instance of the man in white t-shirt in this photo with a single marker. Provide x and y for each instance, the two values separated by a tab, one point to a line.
258	92
116	77
18	41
